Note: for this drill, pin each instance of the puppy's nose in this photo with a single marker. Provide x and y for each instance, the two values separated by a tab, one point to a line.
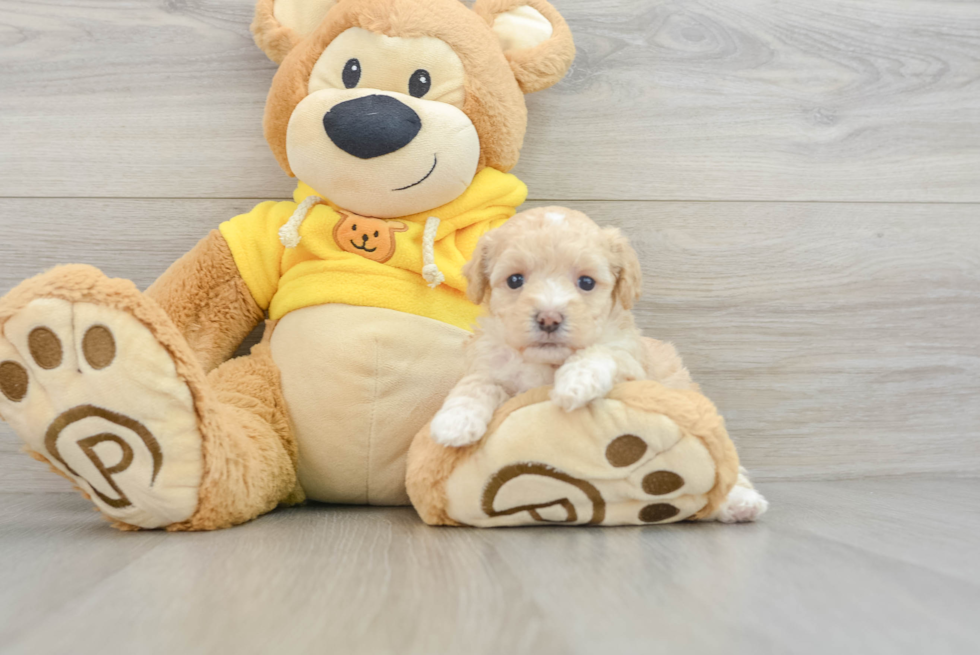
549	321
371	126
364	238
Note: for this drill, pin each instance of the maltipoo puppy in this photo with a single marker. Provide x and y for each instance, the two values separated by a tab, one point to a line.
557	290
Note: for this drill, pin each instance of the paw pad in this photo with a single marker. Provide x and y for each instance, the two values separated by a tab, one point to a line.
13	381
625	450
659	483
45	348
99	347
658	512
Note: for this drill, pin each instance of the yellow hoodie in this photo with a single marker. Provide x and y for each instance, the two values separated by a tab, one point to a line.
345	258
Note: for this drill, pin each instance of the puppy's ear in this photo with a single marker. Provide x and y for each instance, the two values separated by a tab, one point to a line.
477	270
626	266
534	37
281	24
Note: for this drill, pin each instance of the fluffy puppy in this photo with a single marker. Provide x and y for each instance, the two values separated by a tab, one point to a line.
558	289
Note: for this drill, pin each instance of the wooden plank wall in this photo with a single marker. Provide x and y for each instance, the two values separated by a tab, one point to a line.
801	179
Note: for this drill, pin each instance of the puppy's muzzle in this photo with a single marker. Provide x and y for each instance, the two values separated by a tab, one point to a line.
549	321
371	126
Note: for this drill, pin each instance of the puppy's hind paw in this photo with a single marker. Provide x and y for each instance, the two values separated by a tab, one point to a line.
742	506
457	426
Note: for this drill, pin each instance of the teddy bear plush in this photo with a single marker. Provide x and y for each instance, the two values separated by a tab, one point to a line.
400	120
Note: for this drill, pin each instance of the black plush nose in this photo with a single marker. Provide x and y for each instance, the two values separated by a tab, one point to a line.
364	238
371	126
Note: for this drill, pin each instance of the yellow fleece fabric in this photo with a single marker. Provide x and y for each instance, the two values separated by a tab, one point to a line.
330	266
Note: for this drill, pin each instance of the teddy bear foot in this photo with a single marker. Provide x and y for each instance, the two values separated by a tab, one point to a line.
90	389
645	454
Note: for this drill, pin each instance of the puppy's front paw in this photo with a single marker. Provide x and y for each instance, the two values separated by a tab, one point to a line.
458	425
579	383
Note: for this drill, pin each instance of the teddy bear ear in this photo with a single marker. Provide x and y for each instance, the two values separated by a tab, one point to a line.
534	37
280	24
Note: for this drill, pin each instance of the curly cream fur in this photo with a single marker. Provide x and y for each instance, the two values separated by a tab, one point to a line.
596	344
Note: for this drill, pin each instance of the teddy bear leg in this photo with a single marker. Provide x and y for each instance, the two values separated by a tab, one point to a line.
251	461
98	382
644	454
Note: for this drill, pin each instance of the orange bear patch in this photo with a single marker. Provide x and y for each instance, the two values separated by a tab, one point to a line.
373	238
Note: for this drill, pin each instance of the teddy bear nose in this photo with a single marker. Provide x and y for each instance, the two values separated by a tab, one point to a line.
364	238
371	126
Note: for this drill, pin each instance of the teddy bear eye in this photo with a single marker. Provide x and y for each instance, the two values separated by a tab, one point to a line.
585	283
354	227
376	233
419	83
515	281
352	73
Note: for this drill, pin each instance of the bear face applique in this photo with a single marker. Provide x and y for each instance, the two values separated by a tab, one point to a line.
372	238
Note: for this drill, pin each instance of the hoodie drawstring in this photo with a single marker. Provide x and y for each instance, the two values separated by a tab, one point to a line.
289	233
430	271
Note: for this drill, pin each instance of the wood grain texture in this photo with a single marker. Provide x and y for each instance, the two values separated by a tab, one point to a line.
845	567
839	340
668	99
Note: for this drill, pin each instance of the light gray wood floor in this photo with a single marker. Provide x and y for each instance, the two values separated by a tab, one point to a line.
872	566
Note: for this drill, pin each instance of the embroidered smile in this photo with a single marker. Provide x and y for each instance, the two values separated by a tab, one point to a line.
364	247
435	161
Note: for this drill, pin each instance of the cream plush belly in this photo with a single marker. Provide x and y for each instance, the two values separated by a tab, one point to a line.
359	383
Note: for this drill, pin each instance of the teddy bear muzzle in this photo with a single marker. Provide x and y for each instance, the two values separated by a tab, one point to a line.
371	126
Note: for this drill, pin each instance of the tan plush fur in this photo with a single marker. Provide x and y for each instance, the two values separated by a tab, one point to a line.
274	39
249	457
495	82
207	300
539	67
251	468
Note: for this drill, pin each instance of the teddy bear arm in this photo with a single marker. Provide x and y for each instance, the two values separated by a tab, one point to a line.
207	299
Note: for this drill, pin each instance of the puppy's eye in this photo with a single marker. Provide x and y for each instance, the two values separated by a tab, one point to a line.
515	281
354	227
419	83
375	233
352	73
585	283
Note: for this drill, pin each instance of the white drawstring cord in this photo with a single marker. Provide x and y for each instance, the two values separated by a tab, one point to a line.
289	233
431	272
